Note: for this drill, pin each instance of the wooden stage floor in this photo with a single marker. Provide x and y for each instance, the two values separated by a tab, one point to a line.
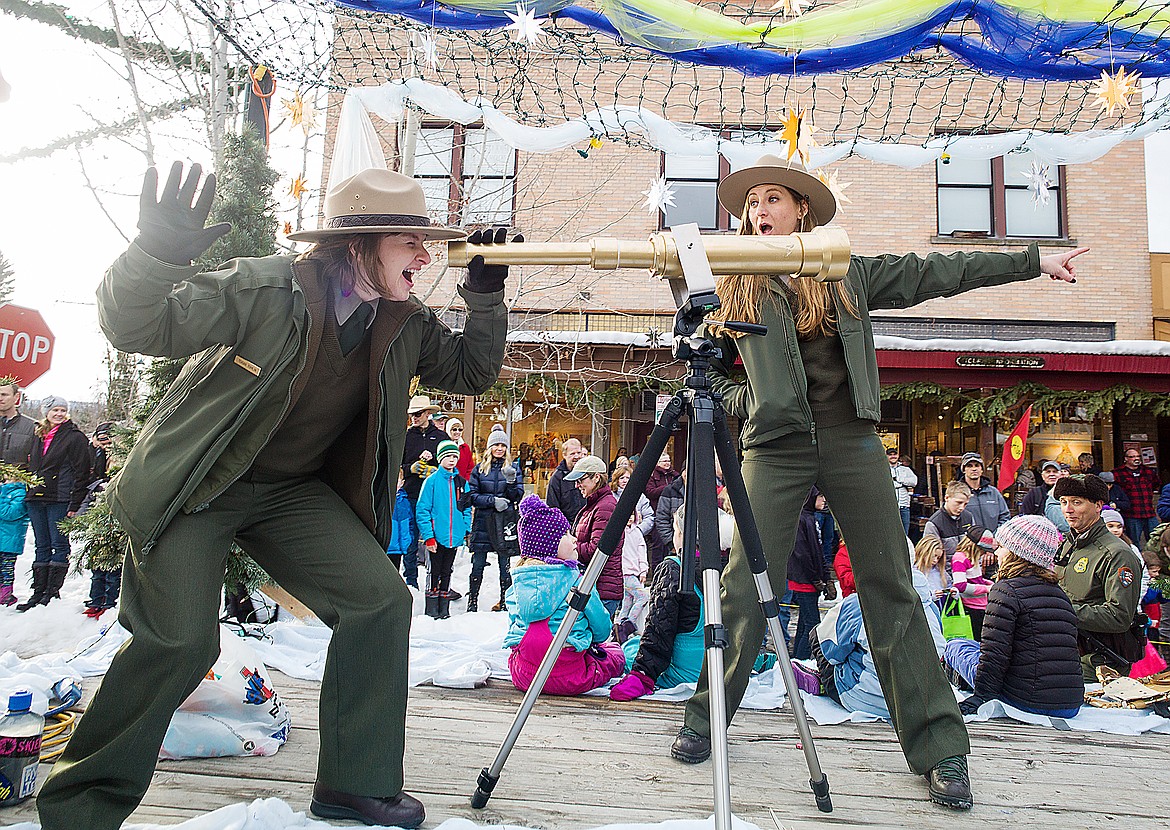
589	762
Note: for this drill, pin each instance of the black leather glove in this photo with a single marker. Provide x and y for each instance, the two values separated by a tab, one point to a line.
171	229
830	590
481	277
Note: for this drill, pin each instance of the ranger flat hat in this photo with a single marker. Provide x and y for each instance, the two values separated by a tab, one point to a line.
377	201
770	169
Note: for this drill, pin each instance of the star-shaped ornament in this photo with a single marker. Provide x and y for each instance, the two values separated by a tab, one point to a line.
525	27
301	113
1114	91
287	228
1038	184
428	50
298	188
790	8
660	196
790	131
836	186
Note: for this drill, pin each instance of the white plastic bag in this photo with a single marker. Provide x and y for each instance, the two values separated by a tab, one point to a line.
233	711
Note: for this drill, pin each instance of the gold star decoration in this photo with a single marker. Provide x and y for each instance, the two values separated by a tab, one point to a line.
1114	91
301	113
790	132
790	8
835	185
298	188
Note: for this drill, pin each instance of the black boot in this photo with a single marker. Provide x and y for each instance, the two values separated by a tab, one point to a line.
950	783
473	586
432	604
40	582
444	605
57	573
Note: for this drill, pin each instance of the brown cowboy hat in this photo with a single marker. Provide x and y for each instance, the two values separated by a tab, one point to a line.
769	169
377	201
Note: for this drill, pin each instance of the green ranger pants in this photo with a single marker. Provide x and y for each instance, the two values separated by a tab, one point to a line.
312	544
849	466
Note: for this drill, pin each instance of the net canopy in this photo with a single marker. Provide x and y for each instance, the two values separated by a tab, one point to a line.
901	71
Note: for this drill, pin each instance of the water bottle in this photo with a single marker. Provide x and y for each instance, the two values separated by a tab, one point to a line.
20	749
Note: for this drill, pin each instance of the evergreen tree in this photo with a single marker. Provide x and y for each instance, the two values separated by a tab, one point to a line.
122	372
244	198
7	279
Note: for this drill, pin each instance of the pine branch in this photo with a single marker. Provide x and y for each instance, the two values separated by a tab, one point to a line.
80	139
58	17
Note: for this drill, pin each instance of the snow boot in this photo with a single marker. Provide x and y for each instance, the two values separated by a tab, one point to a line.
444	605
57	573
6	597
40	583
432	604
7	577
502	605
473	586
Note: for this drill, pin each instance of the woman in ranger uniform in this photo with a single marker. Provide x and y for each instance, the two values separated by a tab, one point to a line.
808	406
283	433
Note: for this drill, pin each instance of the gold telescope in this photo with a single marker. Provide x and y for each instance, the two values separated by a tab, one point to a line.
822	253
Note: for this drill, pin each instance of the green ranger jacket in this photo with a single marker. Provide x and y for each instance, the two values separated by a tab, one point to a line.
249	329
1102	577
773	401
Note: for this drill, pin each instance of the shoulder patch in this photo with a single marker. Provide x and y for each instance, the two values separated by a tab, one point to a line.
1125	576
1082	565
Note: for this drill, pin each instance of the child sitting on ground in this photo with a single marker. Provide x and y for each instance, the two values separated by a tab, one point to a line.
1028	657
930	561
538	600
670	650
444	520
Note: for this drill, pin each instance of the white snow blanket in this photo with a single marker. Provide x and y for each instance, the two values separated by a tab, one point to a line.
274	814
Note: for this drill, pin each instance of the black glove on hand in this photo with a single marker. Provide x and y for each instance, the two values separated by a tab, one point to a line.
830	590
971	705
171	229
483	278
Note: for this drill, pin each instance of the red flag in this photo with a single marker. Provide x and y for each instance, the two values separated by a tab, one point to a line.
1013	452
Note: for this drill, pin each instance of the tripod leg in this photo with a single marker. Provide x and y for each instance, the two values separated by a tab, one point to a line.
749	535
579	596
700	500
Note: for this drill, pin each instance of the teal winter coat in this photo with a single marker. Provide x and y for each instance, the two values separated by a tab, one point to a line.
13	517
539	592
439	514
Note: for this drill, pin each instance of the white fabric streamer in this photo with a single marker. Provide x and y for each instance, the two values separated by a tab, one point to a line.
357	146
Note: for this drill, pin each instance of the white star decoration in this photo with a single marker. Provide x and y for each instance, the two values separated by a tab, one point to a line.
660	196
428	50
525	27
1038	183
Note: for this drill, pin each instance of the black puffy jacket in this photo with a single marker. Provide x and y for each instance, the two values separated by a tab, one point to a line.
64	468
1029	646
668	612
484	488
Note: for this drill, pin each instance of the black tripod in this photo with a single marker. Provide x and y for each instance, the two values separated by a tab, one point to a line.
708	435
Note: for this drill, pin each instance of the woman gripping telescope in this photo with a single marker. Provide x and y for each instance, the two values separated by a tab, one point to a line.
809	406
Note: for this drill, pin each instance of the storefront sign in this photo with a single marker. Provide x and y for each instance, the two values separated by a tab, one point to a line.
996	361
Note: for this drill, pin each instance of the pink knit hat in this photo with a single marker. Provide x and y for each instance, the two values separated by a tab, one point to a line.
1033	538
540	529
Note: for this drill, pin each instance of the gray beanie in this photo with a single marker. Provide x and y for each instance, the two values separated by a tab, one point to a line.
51	401
498	436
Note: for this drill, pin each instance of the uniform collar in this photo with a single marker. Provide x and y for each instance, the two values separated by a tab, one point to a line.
344	305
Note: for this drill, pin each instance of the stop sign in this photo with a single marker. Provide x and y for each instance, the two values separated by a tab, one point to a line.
26	344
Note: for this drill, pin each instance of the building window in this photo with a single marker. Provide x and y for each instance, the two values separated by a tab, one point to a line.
991	198
467	173
693	180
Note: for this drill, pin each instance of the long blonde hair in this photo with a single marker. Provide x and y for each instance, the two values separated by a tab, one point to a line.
926	558
485	466
813	311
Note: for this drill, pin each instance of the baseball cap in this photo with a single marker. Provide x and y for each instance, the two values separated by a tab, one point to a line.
1049	464
588	464
969	458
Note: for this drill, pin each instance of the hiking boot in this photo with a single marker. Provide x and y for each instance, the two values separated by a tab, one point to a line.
690	747
502	605
400	811
950	783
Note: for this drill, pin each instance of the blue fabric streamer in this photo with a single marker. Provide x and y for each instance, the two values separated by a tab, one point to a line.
1011	45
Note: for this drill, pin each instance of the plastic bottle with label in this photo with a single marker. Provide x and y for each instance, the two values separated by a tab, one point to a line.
20	749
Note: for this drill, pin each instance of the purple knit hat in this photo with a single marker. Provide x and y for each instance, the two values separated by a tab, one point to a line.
540	529
1033	538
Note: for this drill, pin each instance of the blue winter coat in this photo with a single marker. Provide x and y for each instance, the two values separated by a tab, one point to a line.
13	517
484	488
399	525
539	592
846	646
438	512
